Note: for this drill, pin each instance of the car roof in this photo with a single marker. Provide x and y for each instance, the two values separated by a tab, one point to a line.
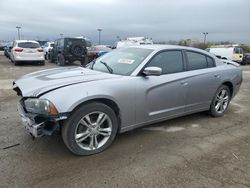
163	47
159	47
26	41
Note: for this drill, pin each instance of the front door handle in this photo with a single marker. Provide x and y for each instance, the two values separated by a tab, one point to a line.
184	83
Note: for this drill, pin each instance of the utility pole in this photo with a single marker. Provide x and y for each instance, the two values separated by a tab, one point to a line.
99	30
205	36
18	31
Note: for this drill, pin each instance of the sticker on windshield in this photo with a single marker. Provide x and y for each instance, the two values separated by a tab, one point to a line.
126	61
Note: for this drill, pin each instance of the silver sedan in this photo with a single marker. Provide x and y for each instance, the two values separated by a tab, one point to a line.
123	90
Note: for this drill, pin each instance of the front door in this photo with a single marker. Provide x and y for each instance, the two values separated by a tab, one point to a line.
160	97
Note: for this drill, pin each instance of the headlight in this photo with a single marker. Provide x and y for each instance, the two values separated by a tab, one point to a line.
40	106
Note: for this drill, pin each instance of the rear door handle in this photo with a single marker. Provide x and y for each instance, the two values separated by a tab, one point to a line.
217	75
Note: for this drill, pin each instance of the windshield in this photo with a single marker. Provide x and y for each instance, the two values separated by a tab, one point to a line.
122	61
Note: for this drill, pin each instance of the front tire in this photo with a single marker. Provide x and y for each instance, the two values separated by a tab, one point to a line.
220	101
90	129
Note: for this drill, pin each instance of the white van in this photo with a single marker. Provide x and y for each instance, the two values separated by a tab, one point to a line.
133	41
229	53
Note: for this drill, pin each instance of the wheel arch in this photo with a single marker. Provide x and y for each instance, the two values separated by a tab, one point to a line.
230	86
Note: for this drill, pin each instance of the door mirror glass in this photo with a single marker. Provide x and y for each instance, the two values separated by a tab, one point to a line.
152	71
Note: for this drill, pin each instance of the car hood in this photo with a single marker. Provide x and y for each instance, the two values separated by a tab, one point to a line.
37	83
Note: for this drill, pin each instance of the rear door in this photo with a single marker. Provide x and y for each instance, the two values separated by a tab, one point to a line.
203	81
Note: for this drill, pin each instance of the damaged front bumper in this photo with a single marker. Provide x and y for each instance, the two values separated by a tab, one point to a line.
37	125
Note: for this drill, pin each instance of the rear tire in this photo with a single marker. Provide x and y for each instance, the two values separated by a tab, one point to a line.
220	101
90	129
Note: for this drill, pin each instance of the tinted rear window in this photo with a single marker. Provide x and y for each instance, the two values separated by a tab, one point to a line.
28	45
75	42
196	61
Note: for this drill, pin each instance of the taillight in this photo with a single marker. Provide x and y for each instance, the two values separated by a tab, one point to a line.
18	49
40	50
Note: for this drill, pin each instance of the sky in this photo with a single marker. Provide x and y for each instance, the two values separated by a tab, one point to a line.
161	20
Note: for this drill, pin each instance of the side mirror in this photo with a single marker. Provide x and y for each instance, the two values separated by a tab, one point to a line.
152	71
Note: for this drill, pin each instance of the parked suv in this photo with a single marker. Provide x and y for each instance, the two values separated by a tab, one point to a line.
68	50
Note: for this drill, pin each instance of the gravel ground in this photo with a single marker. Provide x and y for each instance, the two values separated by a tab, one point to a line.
192	151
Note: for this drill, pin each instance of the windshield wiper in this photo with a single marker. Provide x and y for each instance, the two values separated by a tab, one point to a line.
106	65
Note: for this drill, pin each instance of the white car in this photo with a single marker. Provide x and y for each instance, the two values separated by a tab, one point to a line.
47	48
26	51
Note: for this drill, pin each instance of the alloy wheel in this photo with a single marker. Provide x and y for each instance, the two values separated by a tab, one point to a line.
93	131
222	100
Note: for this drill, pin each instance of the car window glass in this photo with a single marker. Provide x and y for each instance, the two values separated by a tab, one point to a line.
28	45
168	61
62	43
196	61
210	62
238	50
88	43
123	61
